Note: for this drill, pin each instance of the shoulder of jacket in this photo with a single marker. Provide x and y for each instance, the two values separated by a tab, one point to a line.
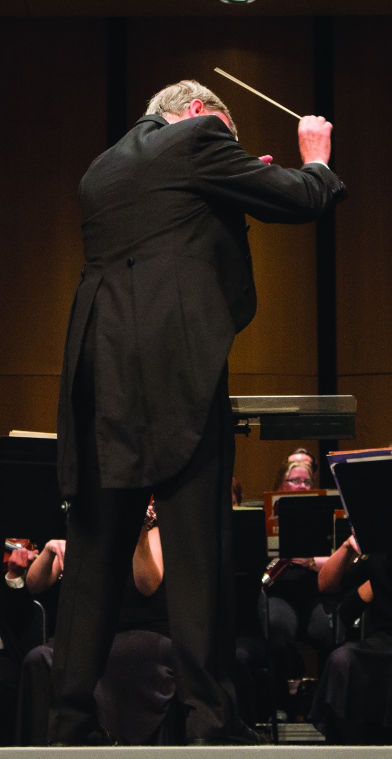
153	118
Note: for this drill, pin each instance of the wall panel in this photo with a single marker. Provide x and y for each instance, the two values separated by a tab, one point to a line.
29	402
364	236
373	394
364	232
53	124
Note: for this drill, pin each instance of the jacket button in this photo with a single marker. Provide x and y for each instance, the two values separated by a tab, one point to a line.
130	262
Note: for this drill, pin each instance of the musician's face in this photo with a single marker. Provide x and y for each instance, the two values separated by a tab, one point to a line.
298	479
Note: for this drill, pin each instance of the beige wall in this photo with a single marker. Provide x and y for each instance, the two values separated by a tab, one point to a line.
53	124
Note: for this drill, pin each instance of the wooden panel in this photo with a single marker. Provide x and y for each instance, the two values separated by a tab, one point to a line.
364	238
53	123
28	403
374	397
363	157
283	336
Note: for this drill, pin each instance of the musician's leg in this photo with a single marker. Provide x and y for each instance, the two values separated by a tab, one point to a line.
287	661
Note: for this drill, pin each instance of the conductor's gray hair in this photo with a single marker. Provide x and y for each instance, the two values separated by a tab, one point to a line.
176	98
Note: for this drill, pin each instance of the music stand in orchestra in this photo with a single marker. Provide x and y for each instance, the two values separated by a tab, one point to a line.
364	480
249	560
31	505
306	525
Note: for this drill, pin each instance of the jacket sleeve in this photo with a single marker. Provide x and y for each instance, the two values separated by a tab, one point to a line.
226	173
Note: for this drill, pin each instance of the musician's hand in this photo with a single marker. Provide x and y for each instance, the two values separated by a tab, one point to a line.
57	548
365	592
266	158
351	544
314	139
150	519
19	560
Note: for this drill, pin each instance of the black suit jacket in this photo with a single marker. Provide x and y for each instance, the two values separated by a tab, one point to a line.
169	277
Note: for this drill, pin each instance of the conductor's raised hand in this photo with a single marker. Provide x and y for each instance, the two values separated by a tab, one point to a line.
314	139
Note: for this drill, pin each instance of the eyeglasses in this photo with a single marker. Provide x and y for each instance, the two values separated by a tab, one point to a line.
299	481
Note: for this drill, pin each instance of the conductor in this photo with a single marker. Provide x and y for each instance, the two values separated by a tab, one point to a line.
144	404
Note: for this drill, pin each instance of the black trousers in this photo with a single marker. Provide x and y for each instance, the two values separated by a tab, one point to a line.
194	513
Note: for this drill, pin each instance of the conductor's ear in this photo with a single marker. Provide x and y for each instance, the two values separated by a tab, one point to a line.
196	108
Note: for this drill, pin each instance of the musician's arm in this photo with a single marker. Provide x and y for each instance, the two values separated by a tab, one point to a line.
333	570
147	561
47	567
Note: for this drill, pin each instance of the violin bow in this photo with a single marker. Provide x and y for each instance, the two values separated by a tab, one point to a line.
256	92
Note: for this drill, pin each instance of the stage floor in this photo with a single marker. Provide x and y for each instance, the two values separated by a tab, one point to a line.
196	752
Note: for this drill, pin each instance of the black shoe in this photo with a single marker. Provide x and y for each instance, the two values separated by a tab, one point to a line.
250	737
97	737
246	737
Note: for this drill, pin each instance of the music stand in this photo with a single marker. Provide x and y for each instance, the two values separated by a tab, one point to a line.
306	525
249	559
365	487
31	500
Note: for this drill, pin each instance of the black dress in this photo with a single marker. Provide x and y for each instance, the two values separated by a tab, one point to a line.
296	613
135	697
353	701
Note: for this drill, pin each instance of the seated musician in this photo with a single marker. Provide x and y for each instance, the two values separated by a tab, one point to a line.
135	694
295	606
16	609
303	455
353	701
297	457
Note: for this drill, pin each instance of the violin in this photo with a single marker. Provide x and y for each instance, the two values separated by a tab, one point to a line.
11	543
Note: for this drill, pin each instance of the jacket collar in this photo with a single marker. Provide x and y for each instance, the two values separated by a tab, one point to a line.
153	117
